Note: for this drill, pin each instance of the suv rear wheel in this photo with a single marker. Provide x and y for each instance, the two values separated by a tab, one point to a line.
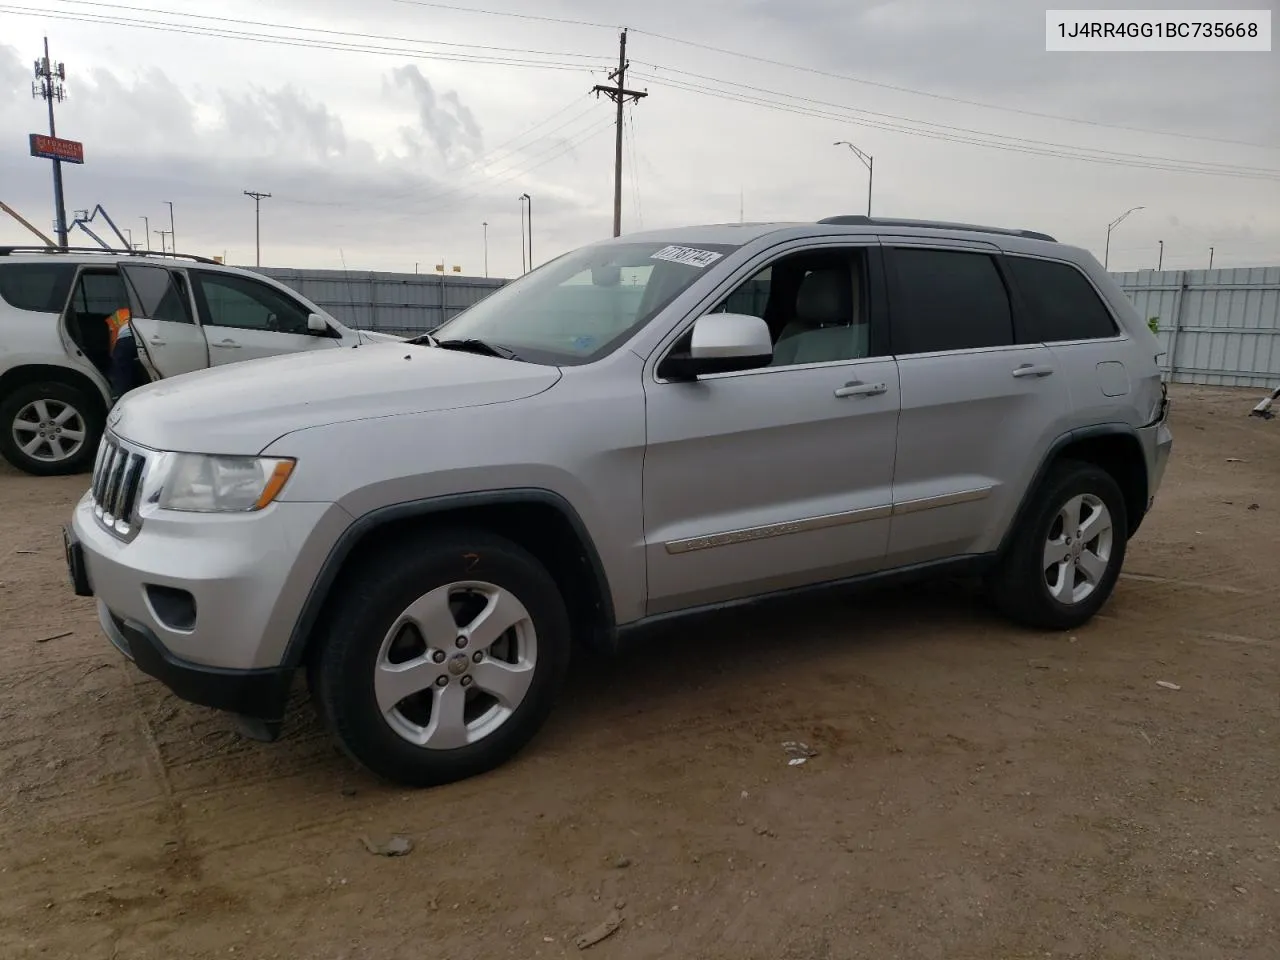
442	658
50	428
1065	559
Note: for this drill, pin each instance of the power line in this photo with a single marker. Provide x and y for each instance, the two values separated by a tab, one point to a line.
569	21
303	42
1172	166
238	21
832	75
896	118
848	78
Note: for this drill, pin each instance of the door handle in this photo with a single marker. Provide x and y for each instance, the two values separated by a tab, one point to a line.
230	344
859	389
1028	370
156	340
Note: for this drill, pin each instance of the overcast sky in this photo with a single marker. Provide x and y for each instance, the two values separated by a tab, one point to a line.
393	156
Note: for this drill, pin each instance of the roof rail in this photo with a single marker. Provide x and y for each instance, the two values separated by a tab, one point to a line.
101	251
860	220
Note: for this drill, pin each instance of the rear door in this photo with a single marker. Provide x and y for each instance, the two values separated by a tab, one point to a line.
1061	309
169	340
245	319
978	408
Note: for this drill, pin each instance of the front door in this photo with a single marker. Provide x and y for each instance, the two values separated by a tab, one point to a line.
245	319
978	409
169	340
781	477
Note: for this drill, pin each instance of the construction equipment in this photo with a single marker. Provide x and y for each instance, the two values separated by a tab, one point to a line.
88	217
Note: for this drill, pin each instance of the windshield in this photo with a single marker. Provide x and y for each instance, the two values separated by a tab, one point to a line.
584	304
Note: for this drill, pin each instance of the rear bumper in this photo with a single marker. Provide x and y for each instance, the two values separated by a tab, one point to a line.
261	694
1157	446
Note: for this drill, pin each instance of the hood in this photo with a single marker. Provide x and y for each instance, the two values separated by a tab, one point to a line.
375	336
243	407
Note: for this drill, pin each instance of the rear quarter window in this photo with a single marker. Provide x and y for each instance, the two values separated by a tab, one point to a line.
1059	303
40	287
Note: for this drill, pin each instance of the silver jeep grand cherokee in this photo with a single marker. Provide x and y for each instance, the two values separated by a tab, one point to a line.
643	429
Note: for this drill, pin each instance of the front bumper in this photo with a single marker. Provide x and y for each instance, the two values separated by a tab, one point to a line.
261	694
206	603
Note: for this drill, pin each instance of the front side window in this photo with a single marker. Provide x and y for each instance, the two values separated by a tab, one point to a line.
815	304
40	287
161	294
948	300
1060	303
228	300
585	304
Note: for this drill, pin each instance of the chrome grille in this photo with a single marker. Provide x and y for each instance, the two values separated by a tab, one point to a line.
117	481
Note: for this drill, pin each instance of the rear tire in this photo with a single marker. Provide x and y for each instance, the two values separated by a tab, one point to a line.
1064	560
442	657
51	429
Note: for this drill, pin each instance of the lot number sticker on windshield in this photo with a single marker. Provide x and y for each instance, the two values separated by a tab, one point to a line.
689	256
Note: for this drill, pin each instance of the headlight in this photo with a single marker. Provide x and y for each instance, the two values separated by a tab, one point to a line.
198	483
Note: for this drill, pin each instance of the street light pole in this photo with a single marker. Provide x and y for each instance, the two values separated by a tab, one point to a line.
1160	262
486	248
529	200
524	263
1211	258
147	223
1106	257
868	161
173	239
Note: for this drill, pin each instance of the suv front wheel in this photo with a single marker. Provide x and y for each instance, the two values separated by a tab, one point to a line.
1064	560
442	657
47	429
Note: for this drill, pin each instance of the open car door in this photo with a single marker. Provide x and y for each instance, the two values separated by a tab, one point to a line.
169	340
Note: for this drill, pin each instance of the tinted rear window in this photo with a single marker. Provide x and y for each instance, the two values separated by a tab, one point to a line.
1060	302
949	300
42	287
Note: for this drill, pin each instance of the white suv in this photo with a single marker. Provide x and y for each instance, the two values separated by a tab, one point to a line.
54	393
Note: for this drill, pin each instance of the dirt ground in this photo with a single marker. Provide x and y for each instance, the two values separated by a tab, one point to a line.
978	791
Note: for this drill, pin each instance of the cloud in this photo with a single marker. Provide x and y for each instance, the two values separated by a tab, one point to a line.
445	120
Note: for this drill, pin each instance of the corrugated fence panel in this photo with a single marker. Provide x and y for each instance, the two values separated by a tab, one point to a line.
1218	327
403	303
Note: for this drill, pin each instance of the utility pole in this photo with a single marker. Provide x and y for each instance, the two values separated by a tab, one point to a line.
486	248
173	240
257	223
147	223
619	94
49	87
163	234
1160	261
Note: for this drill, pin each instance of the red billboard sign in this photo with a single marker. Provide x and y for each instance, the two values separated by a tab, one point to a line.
55	148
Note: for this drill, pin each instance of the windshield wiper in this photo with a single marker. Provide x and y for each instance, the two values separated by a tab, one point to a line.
426	338
472	345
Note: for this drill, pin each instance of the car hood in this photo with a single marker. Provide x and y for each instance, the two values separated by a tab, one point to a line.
243	407
376	336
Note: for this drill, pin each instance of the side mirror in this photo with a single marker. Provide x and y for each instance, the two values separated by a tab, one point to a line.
317	324
721	343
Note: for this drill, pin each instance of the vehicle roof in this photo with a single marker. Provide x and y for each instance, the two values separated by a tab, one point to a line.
741	234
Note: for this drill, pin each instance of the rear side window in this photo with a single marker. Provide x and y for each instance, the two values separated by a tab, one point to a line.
1060	303
948	300
42	287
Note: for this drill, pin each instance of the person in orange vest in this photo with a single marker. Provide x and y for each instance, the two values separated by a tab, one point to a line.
125	373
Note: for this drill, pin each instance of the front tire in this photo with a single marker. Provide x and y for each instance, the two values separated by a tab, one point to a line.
442	658
50	429
1064	561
